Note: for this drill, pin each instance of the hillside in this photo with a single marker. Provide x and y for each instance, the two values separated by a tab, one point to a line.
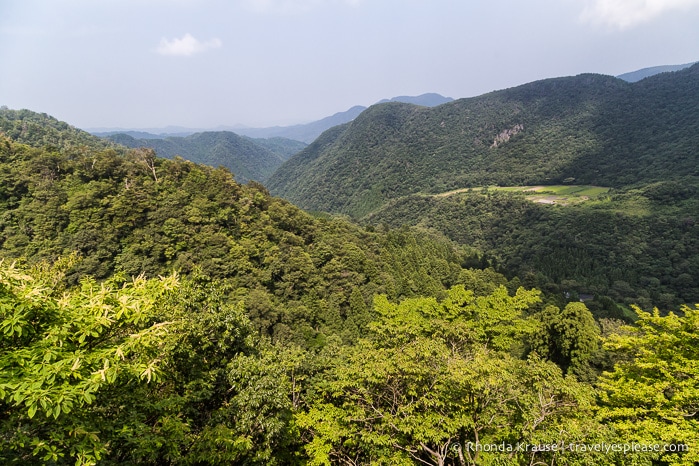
633	246
42	130
590	129
126	211
248	159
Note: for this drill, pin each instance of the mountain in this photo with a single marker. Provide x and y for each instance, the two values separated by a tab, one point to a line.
146	133
136	134
635	76
248	159
40	129
426	100
587	129
306	133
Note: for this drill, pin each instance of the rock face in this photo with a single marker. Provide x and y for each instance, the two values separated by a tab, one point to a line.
505	135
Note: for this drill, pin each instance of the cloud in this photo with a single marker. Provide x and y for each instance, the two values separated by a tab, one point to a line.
187	46
623	14
292	6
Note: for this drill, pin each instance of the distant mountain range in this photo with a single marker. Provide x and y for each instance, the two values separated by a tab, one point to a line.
306	133
636	76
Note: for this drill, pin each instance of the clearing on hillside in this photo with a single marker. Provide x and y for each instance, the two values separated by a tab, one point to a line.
554	194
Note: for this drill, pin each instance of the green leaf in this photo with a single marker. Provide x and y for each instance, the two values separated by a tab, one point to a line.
32	410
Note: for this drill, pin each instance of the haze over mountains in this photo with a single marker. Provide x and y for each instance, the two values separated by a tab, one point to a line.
257	159
310	131
258	152
307	132
636	76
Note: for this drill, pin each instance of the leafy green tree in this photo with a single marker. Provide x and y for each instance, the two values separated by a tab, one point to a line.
568	337
652	395
60	354
436	376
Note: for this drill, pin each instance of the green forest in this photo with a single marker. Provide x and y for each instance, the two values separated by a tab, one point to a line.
157	311
629	246
248	158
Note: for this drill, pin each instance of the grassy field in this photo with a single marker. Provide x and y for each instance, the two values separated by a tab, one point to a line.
555	194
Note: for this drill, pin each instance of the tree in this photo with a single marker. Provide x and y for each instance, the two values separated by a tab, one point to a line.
568	337
437	377
652	395
146	157
60	353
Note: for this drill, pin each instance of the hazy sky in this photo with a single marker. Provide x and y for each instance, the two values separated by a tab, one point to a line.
203	63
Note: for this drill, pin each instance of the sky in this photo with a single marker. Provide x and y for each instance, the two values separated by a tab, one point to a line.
210	63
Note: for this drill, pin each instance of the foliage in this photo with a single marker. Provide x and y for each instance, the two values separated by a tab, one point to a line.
287	338
435	376
652	395
60	352
135	372
247	158
568	337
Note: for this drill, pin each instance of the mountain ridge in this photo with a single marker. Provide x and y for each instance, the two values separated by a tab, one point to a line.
247	158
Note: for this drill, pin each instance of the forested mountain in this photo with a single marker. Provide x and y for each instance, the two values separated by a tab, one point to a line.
156	311
590	129
248	159
42	130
